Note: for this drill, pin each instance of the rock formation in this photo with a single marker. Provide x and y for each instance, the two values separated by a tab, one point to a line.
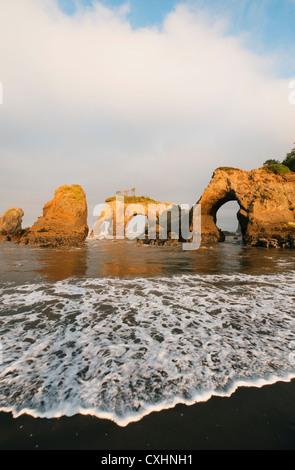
266	215
267	206
64	220
118	213
11	224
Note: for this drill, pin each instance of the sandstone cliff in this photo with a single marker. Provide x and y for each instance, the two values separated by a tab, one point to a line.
267	206
11	224
64	220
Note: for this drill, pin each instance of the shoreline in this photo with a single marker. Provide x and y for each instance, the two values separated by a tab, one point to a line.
250	419
132	418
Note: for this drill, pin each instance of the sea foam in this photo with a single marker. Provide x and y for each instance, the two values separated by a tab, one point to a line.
120	349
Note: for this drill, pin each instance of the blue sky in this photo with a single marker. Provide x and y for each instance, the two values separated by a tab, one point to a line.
267	26
143	12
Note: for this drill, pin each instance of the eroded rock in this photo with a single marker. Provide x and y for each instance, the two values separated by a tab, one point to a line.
64	220
11	224
267	206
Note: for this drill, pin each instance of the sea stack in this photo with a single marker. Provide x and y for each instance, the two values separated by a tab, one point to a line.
11	224
267	206
64	220
131	206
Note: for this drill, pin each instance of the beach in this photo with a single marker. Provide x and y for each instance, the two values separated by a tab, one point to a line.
147	227
251	419
147	348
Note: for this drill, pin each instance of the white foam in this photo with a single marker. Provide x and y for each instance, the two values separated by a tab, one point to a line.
120	349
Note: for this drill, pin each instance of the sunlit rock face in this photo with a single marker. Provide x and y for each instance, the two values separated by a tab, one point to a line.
267	206
64	220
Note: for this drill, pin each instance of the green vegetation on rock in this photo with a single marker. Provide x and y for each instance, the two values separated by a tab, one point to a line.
226	168
275	166
290	160
134	200
277	169
74	192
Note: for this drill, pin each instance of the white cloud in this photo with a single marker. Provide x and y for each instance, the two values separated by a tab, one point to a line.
89	100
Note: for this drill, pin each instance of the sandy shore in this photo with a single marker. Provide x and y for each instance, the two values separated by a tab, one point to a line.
250	419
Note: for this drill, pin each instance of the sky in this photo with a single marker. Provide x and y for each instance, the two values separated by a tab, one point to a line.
152	94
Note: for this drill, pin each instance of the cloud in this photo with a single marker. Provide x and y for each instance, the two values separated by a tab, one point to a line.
89	100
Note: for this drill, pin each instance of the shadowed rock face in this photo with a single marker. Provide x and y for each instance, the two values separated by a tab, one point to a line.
64	220
11	224
267	206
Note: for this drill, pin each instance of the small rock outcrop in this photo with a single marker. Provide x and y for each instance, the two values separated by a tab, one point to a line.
11	224
267	206
64	220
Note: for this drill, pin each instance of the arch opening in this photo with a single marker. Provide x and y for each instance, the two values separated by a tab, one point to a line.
230	217
227	219
136	227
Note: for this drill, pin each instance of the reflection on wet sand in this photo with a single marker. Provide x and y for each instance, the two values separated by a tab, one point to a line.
230	257
121	258
59	264
106	258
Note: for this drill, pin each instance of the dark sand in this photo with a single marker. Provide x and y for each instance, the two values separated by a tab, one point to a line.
251	419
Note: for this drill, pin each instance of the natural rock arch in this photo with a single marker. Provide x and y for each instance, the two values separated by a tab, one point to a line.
219	192
267	206
127	213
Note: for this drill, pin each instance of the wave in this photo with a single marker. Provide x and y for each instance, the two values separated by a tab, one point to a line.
120	349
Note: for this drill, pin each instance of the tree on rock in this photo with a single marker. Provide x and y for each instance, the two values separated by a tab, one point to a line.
271	161
290	160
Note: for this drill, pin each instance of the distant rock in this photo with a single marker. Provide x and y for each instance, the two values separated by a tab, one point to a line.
128	208
64	221
267	206
11	224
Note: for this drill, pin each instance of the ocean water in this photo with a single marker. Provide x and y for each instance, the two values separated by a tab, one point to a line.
118	331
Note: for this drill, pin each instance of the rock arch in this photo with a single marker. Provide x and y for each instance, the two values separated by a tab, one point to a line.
219	192
128	212
266	207
266	201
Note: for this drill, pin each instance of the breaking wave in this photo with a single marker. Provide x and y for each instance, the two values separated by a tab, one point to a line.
122	348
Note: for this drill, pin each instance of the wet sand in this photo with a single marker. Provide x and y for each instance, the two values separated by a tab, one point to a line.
251	419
